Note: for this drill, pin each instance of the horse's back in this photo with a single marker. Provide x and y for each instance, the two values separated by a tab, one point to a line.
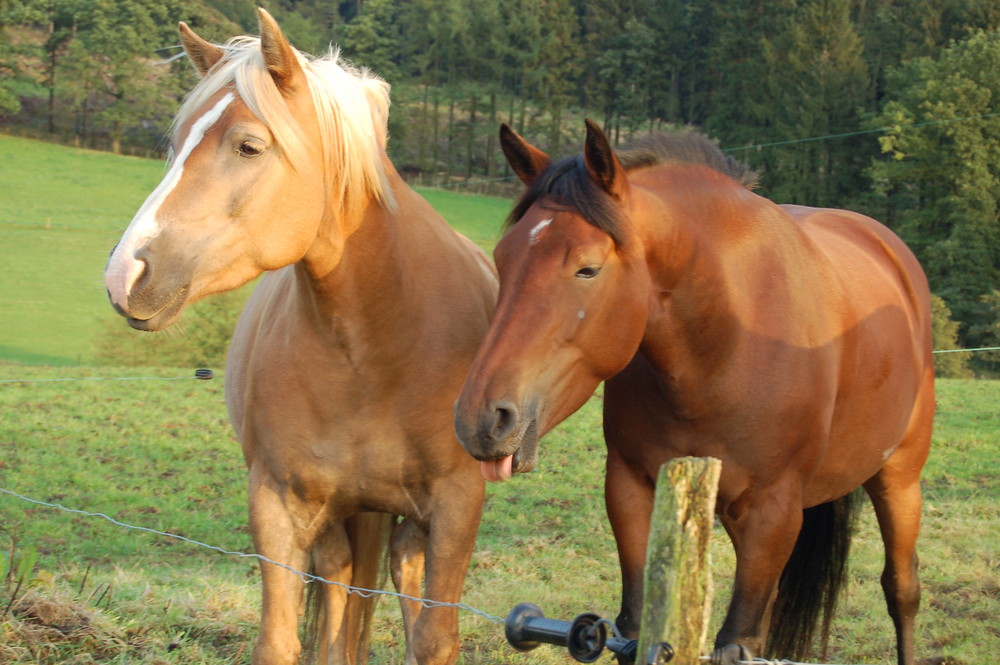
874	285
871	261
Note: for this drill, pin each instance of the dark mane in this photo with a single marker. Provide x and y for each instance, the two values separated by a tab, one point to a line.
685	148
566	184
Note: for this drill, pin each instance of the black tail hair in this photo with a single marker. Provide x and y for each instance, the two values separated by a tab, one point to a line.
811	582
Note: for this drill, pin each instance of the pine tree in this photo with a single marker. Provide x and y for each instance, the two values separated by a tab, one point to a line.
818	83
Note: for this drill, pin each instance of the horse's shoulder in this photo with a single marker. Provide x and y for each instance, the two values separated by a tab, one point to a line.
833	218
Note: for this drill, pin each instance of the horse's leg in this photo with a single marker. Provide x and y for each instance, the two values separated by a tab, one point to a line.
450	541
332	558
897	507
407	566
277	536
628	498
895	494
763	525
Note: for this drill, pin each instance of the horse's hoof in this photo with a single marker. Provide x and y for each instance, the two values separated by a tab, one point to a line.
731	654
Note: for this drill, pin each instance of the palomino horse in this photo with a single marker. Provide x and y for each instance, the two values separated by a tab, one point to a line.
347	360
791	343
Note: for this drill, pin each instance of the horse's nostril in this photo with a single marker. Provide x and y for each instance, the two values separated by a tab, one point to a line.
505	418
142	279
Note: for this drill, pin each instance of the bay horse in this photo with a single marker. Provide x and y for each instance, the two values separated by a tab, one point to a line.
347	359
791	343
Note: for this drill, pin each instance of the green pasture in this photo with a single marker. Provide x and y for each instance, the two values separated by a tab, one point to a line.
159	454
61	212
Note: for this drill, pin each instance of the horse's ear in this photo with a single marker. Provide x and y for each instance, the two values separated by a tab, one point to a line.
281	59
203	54
527	161
602	164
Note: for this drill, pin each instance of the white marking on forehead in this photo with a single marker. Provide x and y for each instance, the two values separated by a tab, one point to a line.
535	232
123	268
581	315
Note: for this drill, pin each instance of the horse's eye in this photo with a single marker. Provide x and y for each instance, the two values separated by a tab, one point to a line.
251	148
588	272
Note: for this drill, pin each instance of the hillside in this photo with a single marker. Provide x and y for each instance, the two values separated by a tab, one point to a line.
63	210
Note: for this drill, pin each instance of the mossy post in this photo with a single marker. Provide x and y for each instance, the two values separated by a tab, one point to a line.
678	585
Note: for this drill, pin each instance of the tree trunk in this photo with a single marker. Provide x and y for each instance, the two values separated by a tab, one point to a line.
674	105
450	154
491	137
52	86
435	147
470	143
555	131
422	145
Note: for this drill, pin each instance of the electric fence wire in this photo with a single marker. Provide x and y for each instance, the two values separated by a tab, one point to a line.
773	144
207	374
306	577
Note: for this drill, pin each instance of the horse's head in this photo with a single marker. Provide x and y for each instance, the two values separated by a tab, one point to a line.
572	307
249	185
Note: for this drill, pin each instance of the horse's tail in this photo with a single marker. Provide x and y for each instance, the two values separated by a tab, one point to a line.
369	535
811	581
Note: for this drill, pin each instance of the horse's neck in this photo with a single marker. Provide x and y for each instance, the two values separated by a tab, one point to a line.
354	279
373	292
707	273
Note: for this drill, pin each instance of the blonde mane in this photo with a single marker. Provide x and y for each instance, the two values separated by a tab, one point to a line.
352	106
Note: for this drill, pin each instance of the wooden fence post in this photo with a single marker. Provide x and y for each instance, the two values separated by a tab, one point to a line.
677	591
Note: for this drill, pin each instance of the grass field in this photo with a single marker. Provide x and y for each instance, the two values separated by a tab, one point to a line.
159	454
61	212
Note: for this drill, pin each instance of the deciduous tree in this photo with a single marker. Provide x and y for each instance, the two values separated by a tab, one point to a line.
940	173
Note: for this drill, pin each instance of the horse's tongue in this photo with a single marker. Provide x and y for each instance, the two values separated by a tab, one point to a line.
497	470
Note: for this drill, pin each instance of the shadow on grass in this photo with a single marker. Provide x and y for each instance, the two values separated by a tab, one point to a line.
20	356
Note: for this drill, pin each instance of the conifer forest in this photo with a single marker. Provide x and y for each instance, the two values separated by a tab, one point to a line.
887	107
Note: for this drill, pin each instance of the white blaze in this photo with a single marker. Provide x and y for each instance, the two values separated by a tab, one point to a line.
123	268
534	233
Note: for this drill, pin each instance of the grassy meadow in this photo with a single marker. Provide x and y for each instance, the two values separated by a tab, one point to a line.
157	452
61	212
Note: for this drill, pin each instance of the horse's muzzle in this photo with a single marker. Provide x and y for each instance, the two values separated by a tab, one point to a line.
151	310
497	431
